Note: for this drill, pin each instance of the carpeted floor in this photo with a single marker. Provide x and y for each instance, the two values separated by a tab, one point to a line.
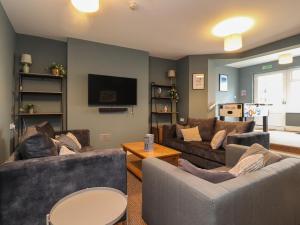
134	186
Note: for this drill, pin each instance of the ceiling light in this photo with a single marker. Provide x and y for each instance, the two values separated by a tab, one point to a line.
86	6
285	59
235	25
233	42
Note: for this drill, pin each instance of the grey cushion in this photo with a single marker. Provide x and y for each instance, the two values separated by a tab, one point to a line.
209	175
240	127
206	127
36	146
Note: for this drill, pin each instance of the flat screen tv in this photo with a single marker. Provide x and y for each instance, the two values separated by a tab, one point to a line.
110	90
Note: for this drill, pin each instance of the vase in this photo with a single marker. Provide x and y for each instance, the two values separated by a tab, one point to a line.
31	110
55	72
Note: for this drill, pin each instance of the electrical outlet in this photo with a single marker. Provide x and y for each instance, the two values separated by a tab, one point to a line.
12	126
105	137
181	119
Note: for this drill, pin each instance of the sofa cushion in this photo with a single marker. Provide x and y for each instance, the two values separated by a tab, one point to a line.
36	146
69	142
240	127
248	164
179	127
191	134
65	151
46	128
206	127
218	139
208	175
204	150
269	157
178	144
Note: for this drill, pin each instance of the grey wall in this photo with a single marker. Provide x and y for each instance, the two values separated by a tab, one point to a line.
44	52
158	69
7	47
216	67
246	75
88	57
182	81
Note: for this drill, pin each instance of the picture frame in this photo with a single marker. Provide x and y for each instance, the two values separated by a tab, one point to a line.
198	81
223	82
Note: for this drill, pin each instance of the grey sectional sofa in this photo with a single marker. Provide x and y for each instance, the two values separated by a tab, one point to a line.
270	196
30	188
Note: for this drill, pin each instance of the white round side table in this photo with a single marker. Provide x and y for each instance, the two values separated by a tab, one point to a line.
92	206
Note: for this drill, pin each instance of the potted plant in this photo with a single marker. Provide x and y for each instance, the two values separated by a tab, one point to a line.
30	108
174	94
57	69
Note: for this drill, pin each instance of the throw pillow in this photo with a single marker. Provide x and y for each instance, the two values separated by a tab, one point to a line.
74	138
240	127
179	127
206	127
65	151
46	128
36	146
218	139
209	175
69	141
269	157
191	134
226	138
249	164
30	131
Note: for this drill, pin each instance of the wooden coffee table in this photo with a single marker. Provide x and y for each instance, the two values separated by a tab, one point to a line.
134	160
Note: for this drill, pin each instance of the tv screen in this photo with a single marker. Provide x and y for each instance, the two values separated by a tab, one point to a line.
109	90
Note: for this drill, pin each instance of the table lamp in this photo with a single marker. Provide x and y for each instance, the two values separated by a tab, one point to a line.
26	60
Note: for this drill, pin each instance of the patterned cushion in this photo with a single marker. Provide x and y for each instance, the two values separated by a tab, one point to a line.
46	128
66	140
269	157
65	151
248	164
191	134
218	139
206	127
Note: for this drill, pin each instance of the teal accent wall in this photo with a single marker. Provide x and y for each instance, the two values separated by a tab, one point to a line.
7	48
88	57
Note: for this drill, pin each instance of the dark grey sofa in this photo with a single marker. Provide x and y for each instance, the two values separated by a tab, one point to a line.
30	188
201	153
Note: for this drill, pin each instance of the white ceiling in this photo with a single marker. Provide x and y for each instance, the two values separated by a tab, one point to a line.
164	28
265	58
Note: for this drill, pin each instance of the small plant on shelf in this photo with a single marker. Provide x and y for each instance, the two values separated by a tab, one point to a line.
174	94
57	69
30	108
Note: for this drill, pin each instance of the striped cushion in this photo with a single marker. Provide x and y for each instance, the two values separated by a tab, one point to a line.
248	164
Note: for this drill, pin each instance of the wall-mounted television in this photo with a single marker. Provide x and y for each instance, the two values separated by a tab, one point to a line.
110	90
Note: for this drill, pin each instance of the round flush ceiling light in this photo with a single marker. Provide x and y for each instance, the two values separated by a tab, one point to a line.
235	25
285	59
233	42
86	6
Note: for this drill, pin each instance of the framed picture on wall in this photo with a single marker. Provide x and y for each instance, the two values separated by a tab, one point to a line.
198	81
223	82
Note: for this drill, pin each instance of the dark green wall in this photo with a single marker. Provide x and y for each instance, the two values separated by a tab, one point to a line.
7	48
88	57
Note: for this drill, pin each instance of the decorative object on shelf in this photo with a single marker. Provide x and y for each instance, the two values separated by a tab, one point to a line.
21	109
198	81
172	75
57	69
174	94
148	142
30	108
158	92
26	60
165	108
223	82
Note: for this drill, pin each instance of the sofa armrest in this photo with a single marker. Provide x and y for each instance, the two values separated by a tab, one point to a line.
172	196
83	136
169	132
248	139
234	153
30	188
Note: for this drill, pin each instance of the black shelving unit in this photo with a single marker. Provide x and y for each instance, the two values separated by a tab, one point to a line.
21	93
154	101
